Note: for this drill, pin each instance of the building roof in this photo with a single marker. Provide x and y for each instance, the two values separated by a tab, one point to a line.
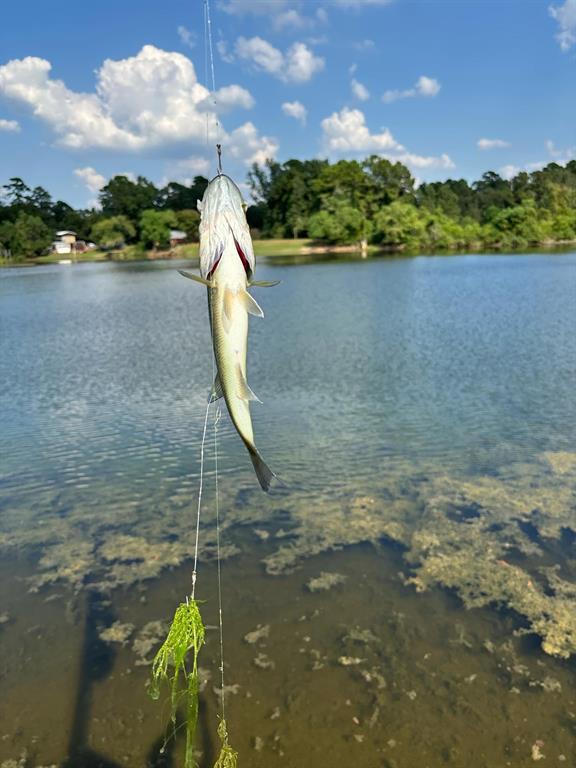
65	232
178	234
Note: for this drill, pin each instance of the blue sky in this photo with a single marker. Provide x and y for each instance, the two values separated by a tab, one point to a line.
453	89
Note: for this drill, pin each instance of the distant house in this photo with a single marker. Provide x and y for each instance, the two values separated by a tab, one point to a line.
177	237
65	242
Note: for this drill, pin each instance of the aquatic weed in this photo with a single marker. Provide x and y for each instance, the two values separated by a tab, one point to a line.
172	665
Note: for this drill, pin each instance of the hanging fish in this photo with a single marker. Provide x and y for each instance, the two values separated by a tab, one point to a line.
226	267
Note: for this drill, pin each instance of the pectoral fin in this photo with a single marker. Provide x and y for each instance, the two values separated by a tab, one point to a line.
243	391
196	278
216	392
264	283
250	304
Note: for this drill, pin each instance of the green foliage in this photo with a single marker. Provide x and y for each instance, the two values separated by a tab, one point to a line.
189	221
343	202
112	232
26	237
155	228
399	225
179	197
123	197
173	665
341	224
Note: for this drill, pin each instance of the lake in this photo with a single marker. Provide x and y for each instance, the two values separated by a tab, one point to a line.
407	599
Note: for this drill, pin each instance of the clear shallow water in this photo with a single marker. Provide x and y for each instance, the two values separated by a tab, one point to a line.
377	378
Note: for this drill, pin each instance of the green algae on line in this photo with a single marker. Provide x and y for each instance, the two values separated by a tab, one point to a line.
173	665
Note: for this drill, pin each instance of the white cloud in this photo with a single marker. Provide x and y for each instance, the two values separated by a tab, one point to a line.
226	99
509	171
185	170
297	65
187	36
360	3
146	101
346	132
246	144
359	90
93	180
282	14
10	126
492	144
565	15
424	86
560	155
296	110
365	45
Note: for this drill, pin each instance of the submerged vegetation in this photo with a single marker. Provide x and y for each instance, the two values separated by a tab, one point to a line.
373	201
176	664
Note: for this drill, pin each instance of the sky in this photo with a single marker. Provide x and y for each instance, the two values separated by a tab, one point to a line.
451	88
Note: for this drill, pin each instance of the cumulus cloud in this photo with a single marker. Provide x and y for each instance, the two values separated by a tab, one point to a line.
565	15
492	144
359	90
142	102
346	132
93	180
297	65
424	86
246	144
187	36
10	126
296	110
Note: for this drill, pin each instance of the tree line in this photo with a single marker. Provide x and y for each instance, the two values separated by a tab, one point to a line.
379	202
371	201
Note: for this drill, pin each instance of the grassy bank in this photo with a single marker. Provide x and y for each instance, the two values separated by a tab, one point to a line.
273	248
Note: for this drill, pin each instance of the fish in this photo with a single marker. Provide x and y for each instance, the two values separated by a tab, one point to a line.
227	266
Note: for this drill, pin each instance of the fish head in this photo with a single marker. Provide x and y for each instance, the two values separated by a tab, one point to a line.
222	194
223	227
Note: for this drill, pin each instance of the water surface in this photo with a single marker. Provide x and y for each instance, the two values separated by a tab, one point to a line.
402	399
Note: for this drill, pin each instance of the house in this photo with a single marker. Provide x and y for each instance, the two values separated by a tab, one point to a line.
177	237
65	242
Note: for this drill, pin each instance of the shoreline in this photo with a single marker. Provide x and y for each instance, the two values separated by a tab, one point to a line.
286	248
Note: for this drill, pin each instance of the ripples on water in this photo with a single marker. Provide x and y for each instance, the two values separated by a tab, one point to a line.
366	370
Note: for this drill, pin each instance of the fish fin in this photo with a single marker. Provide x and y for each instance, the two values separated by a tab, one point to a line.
196	278
263	471
216	392
250	304
244	392
264	283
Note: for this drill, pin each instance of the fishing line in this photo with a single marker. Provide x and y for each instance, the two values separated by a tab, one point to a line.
209	58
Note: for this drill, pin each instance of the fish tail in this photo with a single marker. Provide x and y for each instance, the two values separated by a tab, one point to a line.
263	471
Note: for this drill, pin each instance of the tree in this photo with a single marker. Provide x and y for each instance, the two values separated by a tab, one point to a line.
178	197
26	237
124	197
155	228
400	225
189	222
341	224
16	191
112	232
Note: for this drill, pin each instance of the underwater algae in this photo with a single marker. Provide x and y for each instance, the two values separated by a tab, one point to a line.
490	537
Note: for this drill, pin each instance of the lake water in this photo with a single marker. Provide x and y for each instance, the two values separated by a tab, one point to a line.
422	414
